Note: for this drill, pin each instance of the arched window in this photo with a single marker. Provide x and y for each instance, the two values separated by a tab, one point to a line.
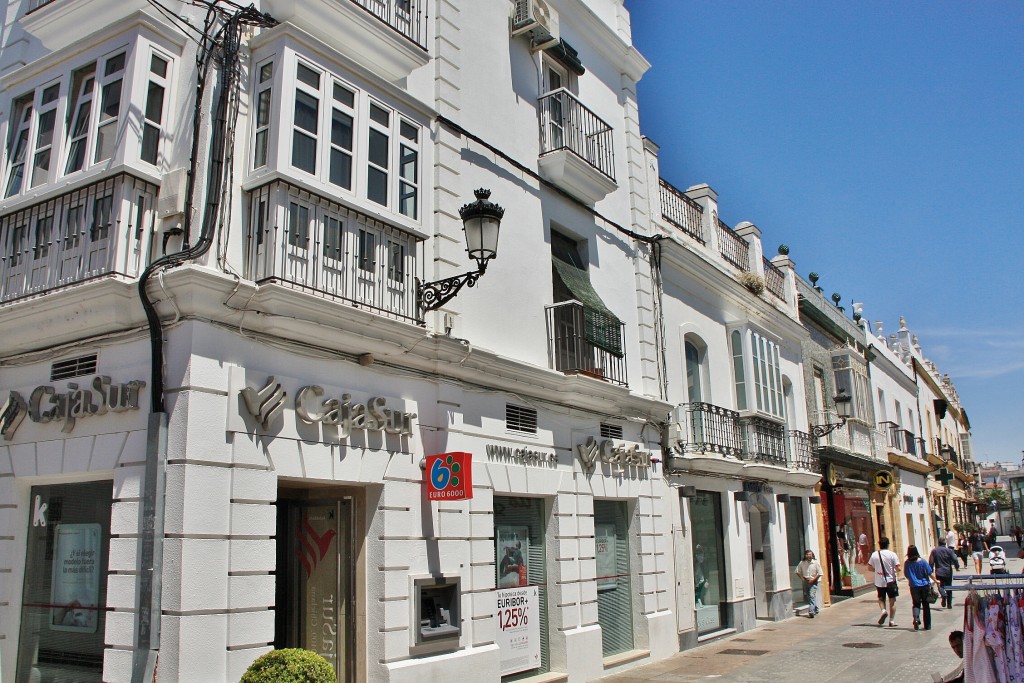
694	375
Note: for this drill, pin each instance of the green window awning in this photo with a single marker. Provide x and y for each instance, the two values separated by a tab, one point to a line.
601	327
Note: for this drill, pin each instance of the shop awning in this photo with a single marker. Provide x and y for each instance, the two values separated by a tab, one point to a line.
601	327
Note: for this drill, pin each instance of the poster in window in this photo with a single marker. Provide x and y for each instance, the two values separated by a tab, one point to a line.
607	576
75	590
518	632
513	555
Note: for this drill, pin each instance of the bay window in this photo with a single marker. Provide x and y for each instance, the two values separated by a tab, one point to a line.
757	357
336	135
852	377
77	120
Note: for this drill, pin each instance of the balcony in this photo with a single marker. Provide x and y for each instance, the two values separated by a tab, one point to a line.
576	147
584	341
100	230
682	212
801	454
899	439
764	441
774	280
387	37
733	248
306	242
707	428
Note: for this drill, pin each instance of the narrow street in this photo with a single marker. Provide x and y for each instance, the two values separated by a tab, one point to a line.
843	644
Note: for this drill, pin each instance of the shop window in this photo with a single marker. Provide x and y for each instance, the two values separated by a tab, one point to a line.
614	597
709	579
854	537
519	525
64	601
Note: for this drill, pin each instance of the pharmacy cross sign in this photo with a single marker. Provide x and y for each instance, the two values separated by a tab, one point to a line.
944	476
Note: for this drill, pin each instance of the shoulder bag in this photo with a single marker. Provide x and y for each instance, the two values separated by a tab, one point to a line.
890	584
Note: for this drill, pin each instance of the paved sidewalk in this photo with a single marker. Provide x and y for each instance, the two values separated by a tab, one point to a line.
843	644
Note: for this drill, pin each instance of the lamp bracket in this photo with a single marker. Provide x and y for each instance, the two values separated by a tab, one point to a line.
818	431
432	295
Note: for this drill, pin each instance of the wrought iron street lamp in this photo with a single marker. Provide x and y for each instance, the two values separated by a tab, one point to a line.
842	402
481	221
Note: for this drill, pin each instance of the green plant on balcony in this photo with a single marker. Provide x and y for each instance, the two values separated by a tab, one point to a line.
752	281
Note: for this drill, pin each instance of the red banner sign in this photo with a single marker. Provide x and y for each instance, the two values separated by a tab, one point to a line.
449	476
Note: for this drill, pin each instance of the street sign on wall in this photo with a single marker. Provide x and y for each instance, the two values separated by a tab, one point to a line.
449	476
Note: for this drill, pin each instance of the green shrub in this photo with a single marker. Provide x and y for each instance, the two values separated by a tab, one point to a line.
292	665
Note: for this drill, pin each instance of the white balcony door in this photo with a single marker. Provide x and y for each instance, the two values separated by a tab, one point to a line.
555	78
297	243
100	234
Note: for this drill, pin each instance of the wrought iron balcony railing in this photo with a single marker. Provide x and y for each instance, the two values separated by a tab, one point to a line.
586	342
308	242
801	454
764	441
774	280
565	124
734	248
707	428
93	231
682	212
401	15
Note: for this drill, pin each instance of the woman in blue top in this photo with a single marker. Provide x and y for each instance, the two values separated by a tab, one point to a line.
920	576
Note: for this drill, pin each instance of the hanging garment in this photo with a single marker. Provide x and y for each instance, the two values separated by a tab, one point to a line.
995	628
1014	644
978	665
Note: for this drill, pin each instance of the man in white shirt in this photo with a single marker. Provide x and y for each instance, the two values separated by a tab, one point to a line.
886	564
809	572
951	539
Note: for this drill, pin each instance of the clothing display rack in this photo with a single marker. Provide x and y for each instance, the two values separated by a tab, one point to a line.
993	629
986	582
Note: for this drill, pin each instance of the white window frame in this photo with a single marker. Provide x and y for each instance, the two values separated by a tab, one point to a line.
760	386
850	372
404	135
264	85
152	78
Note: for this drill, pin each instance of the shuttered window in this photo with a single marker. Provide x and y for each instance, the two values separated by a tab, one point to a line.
523	518
614	597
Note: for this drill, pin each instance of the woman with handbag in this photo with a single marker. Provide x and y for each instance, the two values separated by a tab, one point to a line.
920	576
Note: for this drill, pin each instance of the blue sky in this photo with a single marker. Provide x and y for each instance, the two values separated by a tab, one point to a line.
884	143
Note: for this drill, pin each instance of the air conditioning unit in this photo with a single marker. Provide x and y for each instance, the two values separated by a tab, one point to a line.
537	21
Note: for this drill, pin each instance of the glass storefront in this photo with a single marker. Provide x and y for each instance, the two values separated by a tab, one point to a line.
853	539
521	563
614	597
709	580
314	580
63	610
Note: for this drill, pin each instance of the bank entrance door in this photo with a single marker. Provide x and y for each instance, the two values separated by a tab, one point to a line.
315	578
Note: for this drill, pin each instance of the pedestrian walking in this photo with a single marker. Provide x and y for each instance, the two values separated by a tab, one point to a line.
920	576
886	564
963	548
978	547
950	538
943	561
809	571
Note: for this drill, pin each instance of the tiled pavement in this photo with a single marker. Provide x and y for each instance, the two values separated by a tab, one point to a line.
843	644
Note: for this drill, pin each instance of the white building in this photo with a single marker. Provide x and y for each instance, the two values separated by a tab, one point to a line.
250	472
917	520
741	466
